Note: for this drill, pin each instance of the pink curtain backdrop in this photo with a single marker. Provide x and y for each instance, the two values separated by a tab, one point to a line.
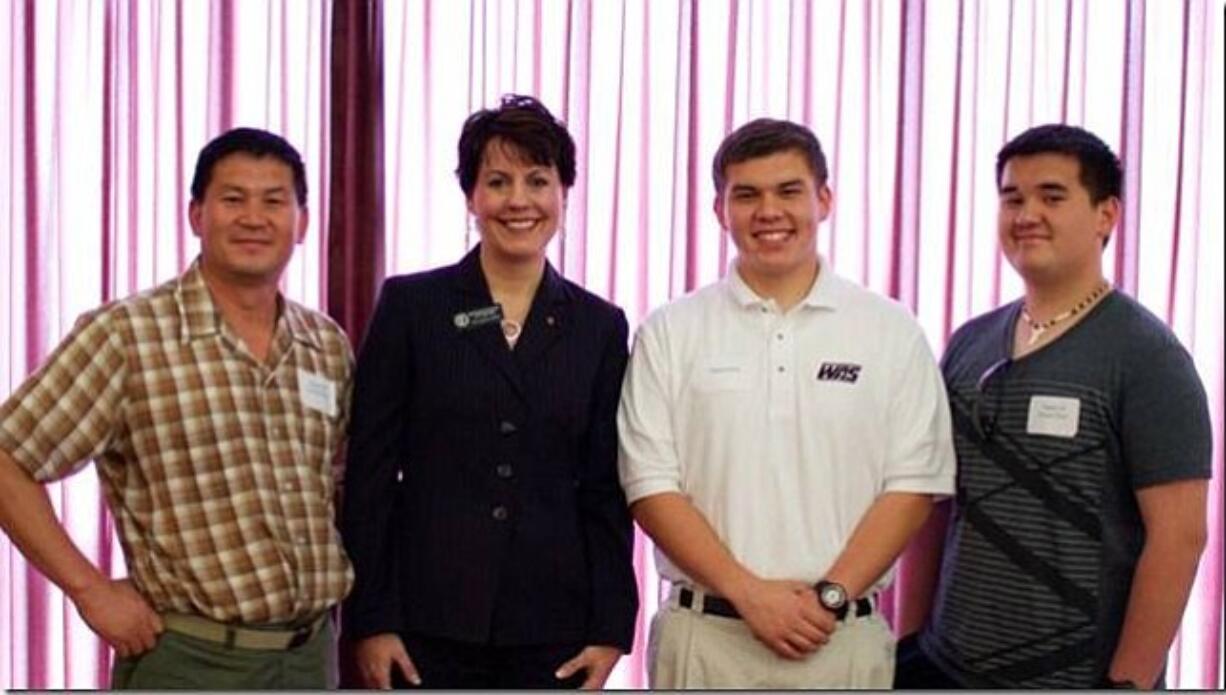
911	100
104	104
103	107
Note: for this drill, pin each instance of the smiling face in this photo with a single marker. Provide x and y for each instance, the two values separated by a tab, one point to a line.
248	220
771	207
1049	229
517	204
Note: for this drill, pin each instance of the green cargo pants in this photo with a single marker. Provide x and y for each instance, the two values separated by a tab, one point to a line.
181	661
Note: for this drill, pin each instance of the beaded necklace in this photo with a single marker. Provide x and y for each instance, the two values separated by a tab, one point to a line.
1038	328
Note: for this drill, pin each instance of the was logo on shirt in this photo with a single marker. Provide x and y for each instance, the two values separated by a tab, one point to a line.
838	371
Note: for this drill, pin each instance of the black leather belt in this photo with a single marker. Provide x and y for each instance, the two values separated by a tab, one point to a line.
714	605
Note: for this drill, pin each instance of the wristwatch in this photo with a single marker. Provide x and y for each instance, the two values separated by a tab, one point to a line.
833	598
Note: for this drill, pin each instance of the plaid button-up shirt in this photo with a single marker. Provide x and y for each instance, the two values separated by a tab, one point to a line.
217	468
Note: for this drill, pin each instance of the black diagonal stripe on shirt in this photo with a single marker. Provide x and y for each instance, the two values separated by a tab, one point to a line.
1053	662
1033	565
1032	481
1049	636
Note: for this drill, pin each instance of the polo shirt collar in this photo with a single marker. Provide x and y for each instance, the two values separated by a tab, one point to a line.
825	293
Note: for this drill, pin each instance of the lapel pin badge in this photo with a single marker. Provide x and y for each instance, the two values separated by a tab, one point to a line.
475	318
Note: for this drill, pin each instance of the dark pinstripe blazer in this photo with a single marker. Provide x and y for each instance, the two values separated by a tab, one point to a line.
481	499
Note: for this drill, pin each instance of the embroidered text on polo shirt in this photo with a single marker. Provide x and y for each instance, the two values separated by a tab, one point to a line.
838	371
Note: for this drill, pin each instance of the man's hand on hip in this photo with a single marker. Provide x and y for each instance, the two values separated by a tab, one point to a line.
116	611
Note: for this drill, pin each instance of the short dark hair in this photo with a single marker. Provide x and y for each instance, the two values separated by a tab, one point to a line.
766	136
1099	171
255	142
526	124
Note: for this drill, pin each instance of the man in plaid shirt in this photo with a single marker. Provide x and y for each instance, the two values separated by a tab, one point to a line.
213	407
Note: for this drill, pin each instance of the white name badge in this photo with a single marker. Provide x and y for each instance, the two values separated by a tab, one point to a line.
317	392
1054	416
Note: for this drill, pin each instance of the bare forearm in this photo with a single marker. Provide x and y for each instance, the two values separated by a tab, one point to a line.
685	536
29	520
919	570
1174	518
879	538
1160	587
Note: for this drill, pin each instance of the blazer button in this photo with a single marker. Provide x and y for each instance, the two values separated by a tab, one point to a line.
504	470
507	427
500	513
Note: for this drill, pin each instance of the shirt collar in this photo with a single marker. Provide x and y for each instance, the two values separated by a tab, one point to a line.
825	293
200	317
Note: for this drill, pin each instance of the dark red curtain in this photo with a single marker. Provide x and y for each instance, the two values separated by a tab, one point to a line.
355	228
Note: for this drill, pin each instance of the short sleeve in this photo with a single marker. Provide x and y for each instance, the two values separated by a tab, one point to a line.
920	455
647	461
1164	418
67	412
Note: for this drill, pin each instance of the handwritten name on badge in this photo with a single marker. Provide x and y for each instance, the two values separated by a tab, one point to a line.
475	318
317	392
1054	416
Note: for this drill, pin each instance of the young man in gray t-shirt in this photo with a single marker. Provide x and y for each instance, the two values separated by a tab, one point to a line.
1083	442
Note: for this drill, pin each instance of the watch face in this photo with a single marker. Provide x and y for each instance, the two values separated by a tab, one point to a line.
833	596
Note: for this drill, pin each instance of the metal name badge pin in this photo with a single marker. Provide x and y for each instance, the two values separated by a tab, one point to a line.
476	318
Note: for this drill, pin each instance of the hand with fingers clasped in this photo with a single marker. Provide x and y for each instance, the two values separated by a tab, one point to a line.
117	612
597	660
786	617
376	655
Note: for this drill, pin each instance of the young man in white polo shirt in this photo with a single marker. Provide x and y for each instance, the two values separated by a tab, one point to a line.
782	433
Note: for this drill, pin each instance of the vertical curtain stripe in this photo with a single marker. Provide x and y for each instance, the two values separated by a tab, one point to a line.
1173	273
1130	147
951	241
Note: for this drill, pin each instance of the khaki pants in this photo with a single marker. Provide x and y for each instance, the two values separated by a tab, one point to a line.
687	649
180	661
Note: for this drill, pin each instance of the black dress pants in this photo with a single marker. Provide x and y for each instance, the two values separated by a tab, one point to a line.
913	670
445	663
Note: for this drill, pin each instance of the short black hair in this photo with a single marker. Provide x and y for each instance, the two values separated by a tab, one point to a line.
526	124
1099	171
766	136
255	142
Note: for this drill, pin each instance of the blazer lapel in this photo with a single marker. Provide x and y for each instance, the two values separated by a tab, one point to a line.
474	295
548	319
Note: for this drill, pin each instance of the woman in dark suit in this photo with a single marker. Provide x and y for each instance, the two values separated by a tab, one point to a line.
489	535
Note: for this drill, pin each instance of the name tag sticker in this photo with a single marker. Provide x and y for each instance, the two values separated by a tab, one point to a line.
317	392
1054	416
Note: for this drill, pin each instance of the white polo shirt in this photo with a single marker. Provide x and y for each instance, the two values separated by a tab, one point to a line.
782	429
